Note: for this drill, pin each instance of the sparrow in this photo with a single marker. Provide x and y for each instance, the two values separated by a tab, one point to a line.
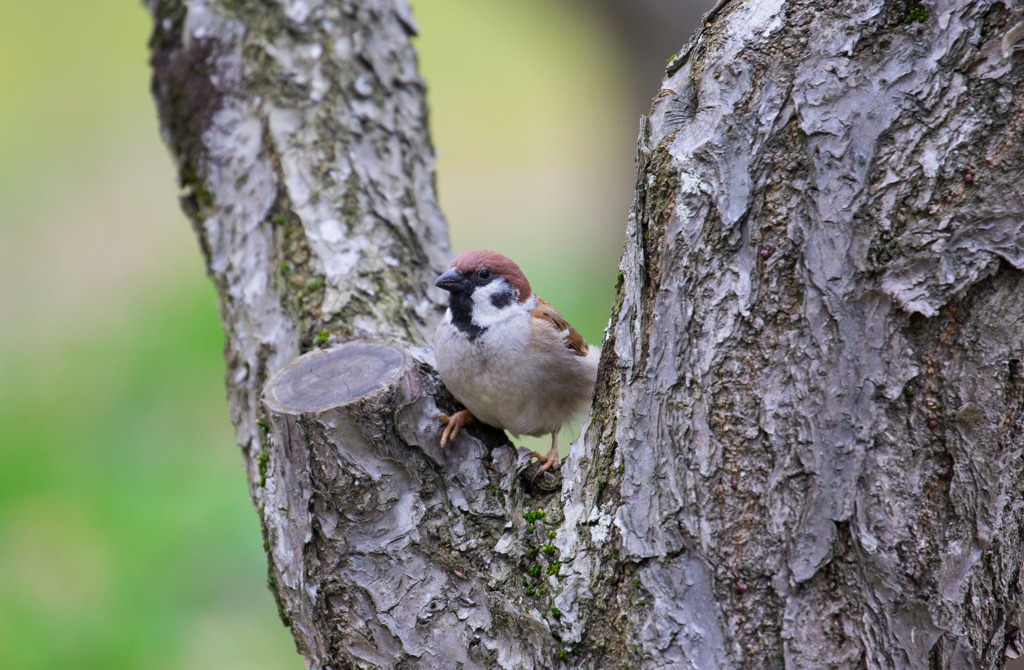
508	355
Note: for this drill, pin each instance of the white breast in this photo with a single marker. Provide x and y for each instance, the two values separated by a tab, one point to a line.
505	380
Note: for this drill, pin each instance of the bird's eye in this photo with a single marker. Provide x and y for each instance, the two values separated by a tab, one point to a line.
485	274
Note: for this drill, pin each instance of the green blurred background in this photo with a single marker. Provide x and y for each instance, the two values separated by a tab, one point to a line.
127	539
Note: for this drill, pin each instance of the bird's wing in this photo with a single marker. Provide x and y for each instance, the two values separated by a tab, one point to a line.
572	340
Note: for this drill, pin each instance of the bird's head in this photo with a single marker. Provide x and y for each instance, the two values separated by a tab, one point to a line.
488	273
483	286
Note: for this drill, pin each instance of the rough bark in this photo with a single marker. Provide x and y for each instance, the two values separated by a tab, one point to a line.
300	132
388	548
805	449
812	398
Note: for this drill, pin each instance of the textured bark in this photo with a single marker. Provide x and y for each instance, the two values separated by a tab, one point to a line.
805	449
385	544
300	132
812	397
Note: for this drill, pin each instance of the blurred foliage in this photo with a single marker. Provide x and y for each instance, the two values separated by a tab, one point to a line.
71	71
126	535
127	539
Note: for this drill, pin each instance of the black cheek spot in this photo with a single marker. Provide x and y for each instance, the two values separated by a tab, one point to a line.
502	299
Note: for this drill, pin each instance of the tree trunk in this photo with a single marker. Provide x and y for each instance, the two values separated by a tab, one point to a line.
805	449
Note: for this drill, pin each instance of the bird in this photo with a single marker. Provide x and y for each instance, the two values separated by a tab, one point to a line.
508	355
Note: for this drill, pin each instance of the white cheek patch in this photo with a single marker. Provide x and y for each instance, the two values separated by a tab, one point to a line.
486	301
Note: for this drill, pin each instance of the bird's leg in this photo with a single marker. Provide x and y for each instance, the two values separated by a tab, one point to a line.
551	460
452	425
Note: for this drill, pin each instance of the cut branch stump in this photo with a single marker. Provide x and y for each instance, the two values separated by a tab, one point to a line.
372	527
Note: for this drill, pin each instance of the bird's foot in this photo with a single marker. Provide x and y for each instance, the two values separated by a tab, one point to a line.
547	462
452	425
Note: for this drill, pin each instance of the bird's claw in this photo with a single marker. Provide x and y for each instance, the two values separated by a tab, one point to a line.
547	462
452	425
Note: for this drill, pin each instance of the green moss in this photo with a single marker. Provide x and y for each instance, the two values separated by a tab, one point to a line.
535	570
264	459
917	13
263	425
190	179
555	612
536	515
550	549
322	337
555	567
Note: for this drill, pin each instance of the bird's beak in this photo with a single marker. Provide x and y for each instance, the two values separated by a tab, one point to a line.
452	281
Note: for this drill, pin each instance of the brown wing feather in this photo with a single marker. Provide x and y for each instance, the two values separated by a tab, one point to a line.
573	340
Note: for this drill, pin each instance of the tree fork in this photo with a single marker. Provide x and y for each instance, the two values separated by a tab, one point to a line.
806	447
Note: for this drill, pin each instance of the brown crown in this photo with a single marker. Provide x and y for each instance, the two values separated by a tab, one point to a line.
471	261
